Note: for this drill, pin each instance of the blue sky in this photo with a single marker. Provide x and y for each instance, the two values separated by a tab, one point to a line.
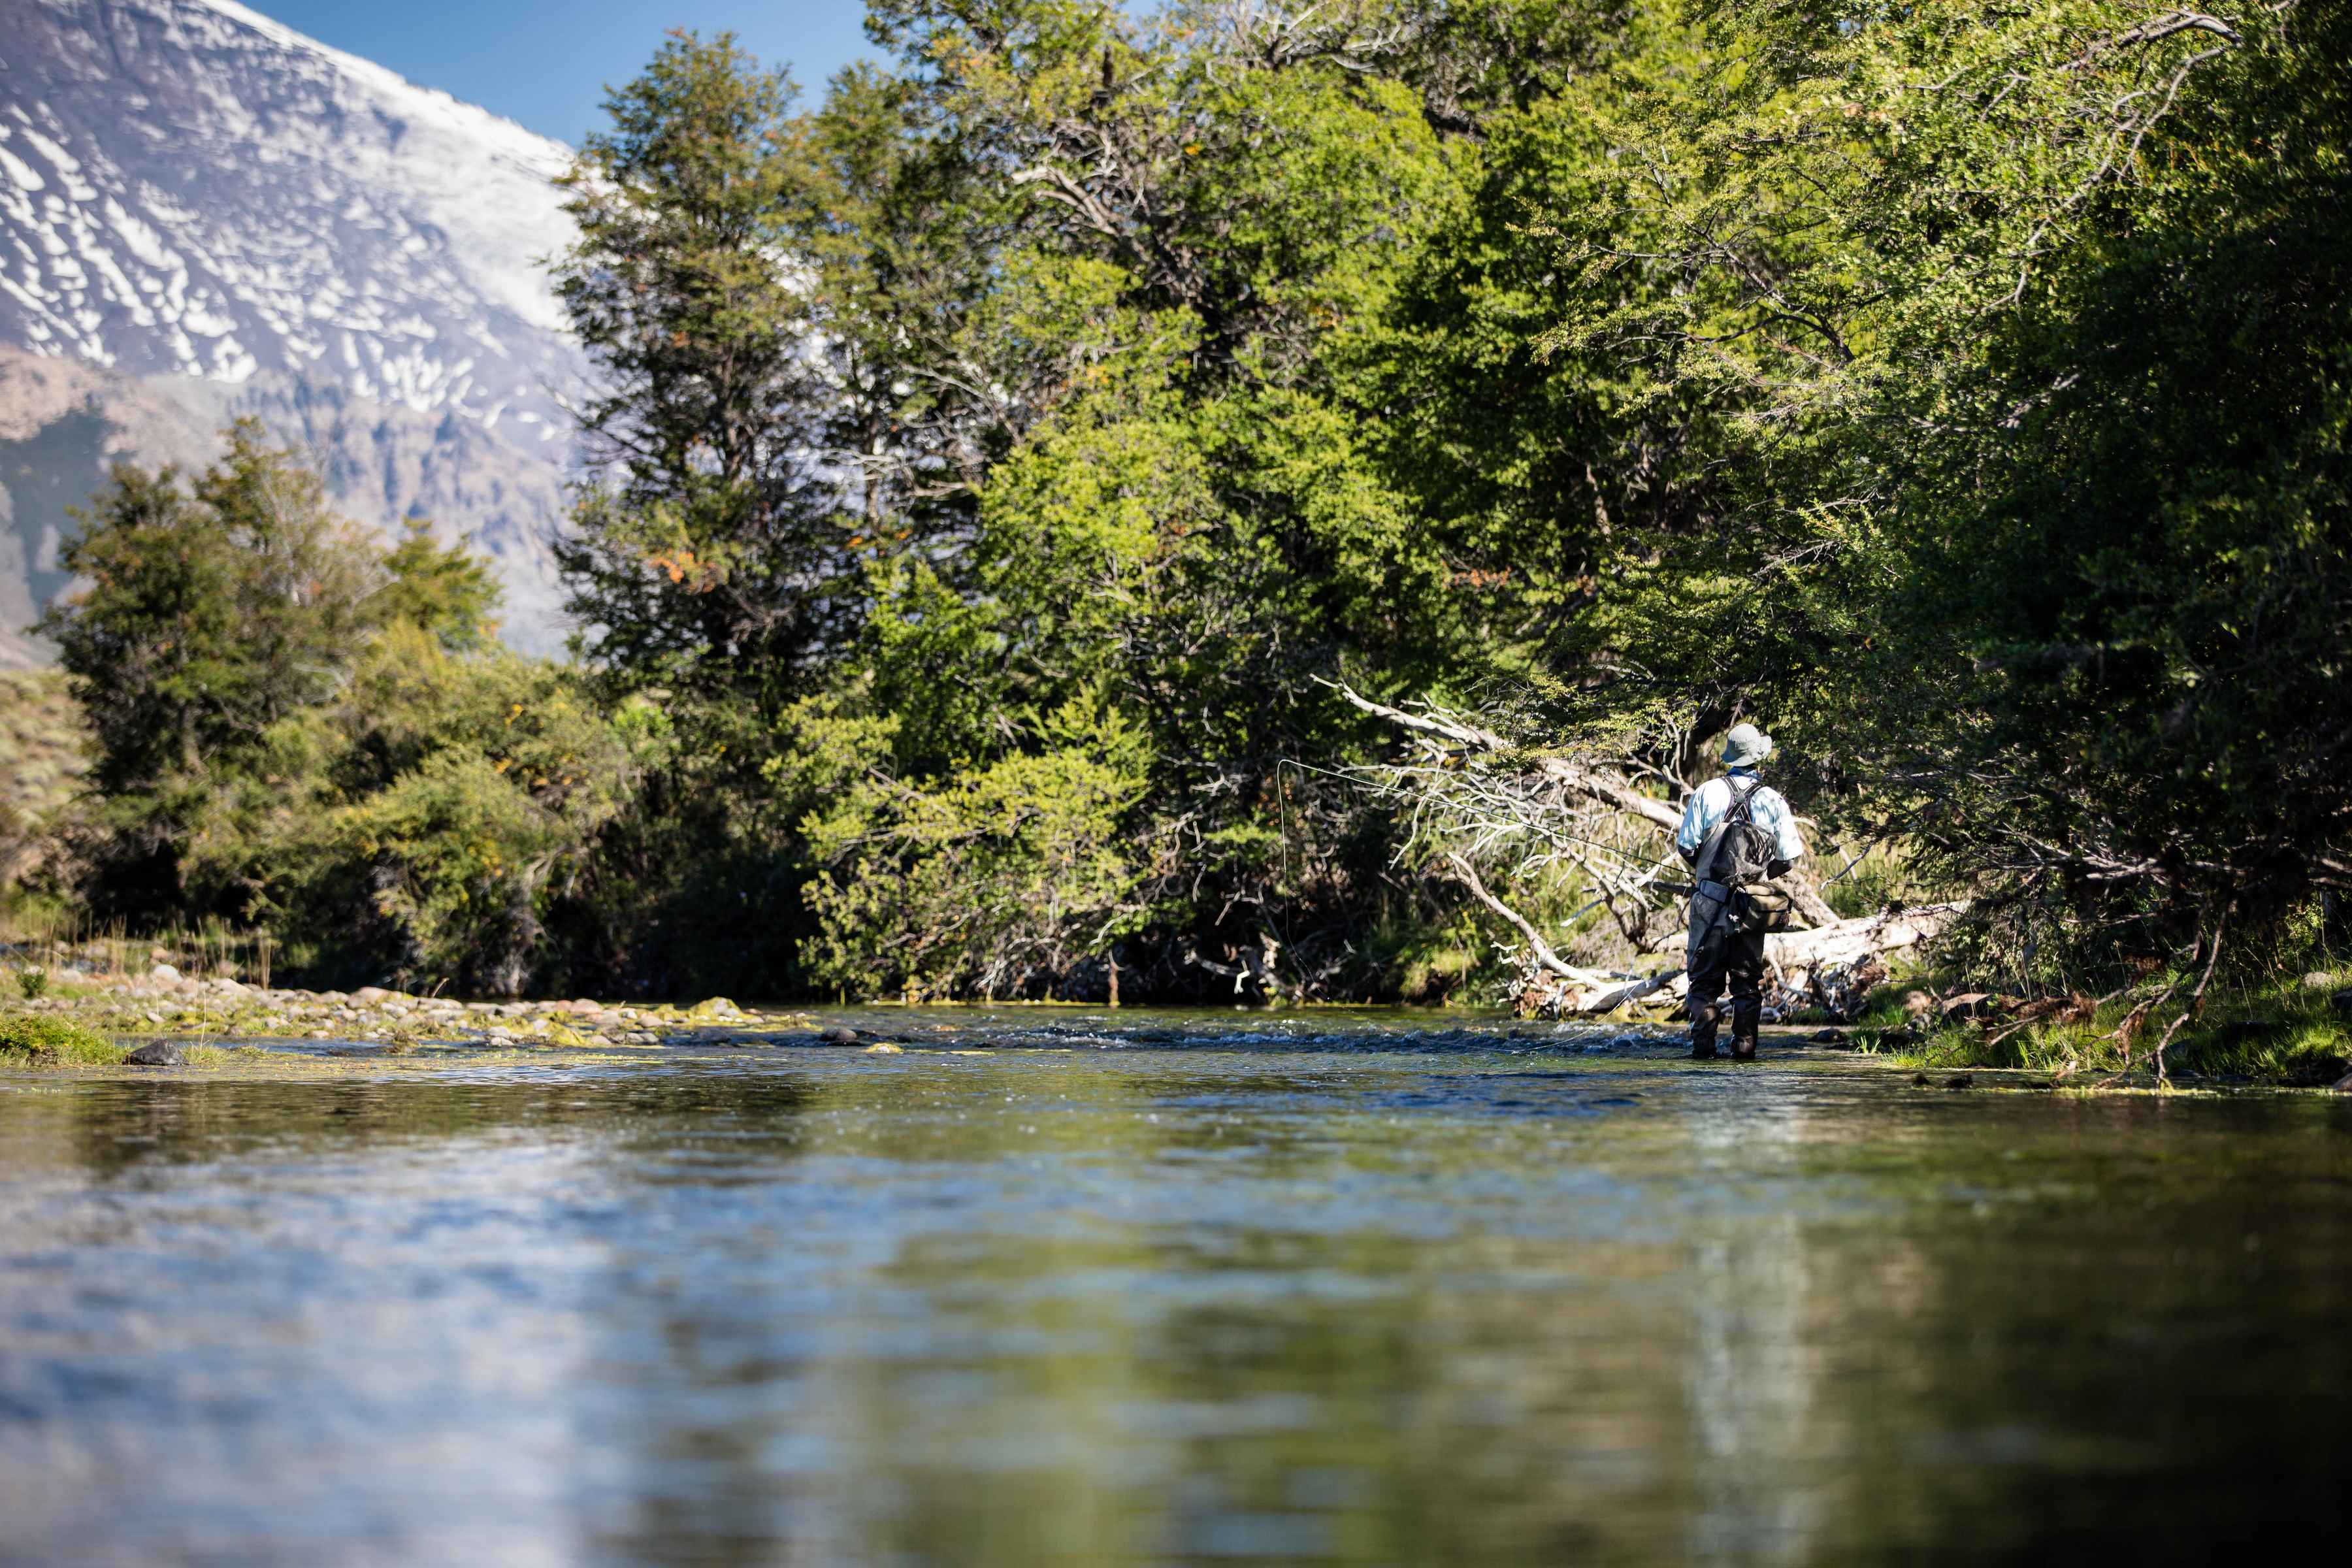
546	62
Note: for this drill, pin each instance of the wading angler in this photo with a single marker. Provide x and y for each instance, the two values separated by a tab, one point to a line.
1737	835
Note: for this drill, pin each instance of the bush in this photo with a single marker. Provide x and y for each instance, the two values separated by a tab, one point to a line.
992	880
54	1042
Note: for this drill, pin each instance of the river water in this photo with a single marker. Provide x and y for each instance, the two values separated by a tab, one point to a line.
1163	1289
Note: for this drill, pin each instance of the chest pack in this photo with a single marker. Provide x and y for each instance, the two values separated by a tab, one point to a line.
1735	865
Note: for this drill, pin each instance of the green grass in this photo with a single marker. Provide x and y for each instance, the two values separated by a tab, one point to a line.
27	1040
2279	1034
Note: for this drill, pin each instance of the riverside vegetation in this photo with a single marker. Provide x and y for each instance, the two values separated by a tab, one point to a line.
1008	457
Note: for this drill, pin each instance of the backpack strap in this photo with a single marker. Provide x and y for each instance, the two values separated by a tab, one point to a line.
1743	802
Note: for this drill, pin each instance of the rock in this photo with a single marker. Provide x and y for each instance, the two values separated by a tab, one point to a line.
2343	1085
374	993
1830	1037
883	1049
156	1054
1959	1080
2342	1003
1921	1080
838	1036
162	972
228	988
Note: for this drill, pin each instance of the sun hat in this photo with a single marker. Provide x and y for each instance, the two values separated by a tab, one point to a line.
1746	746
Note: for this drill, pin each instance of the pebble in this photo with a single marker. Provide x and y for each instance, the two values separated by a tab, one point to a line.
156	1054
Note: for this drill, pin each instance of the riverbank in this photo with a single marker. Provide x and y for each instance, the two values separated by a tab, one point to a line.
2296	1036
165	1004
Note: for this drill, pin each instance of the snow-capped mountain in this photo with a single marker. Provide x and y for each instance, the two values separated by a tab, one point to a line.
192	191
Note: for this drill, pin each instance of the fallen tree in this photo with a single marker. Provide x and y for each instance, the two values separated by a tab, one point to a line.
1475	800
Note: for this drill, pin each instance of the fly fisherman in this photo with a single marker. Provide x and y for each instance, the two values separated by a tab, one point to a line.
1736	834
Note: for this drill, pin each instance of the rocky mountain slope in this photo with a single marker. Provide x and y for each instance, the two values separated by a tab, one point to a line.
204	214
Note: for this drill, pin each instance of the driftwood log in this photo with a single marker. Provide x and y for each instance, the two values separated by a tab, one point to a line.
1488	810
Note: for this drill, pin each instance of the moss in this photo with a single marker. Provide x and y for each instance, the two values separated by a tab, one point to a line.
26	1040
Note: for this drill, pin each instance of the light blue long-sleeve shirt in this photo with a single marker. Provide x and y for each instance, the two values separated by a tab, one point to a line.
1712	799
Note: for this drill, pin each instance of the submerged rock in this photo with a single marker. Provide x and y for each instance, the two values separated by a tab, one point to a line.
838	1036
156	1054
883	1049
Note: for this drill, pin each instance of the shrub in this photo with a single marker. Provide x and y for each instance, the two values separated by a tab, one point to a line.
54	1041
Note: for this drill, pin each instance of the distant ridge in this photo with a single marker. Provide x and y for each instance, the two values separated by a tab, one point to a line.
204	213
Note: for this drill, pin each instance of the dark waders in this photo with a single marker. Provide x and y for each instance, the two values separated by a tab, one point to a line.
1719	951
1724	953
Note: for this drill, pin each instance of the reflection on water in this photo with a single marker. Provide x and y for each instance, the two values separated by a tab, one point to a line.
1363	1295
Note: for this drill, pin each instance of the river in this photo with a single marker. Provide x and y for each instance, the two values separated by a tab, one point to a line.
1062	1288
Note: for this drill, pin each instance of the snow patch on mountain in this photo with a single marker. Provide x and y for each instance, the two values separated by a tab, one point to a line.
188	188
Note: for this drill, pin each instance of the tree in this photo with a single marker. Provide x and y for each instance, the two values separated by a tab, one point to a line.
448	591
215	609
704	553
2028	323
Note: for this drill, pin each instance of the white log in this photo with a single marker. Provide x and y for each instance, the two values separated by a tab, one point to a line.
1844	941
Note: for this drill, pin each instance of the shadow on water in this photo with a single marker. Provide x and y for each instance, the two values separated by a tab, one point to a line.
1209	1293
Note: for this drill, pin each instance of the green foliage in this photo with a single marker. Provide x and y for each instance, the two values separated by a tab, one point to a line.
216	609
995	880
2273	1035
448	591
470	794
32	982
296	726
2025	326
34	1039
1106	307
699	554
994	455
